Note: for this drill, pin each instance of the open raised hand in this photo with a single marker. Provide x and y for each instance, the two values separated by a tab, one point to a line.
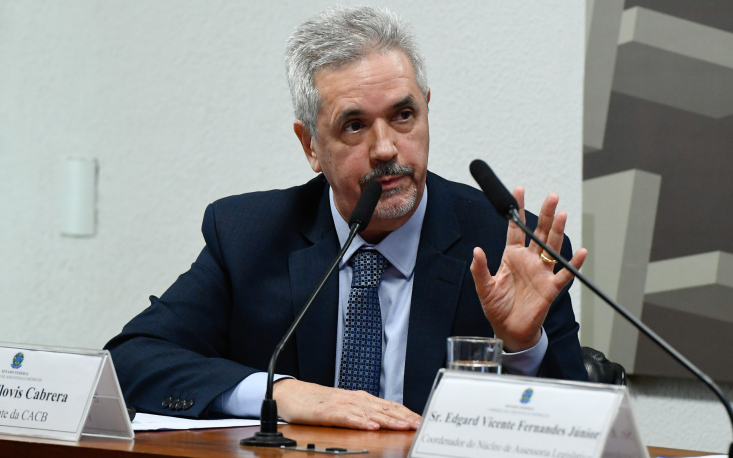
516	300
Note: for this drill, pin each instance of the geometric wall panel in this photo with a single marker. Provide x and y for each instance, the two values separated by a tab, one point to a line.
699	285
619	211
675	62
603	20
705	341
670	114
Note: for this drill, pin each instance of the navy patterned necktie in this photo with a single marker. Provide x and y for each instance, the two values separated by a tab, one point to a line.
361	356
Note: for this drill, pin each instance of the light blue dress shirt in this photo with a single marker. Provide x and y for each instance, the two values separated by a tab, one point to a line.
395	297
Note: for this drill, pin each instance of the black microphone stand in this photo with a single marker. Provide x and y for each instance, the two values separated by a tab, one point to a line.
268	435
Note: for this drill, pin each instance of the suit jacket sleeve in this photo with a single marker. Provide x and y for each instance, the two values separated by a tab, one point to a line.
177	348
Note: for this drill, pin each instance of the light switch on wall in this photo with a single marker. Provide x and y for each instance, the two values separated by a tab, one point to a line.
79	197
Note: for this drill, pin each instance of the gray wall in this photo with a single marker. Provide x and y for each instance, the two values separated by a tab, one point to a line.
183	102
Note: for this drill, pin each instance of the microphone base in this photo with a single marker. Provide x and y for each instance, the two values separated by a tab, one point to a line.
261	439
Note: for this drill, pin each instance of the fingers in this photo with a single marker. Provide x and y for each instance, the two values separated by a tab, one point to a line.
311	404
514	235
395	416
361	410
350	421
545	222
564	275
519	195
480	270
557	233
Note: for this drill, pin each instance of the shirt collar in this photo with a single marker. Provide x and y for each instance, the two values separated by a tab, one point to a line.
399	247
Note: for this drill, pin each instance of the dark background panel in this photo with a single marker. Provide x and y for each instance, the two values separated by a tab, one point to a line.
694	156
713	13
706	342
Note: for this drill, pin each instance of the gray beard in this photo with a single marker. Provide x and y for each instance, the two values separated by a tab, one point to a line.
397	210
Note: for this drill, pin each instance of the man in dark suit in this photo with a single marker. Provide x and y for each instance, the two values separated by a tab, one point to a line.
361	104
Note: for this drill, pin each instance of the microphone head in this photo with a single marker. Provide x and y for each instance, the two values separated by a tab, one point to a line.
499	196
364	208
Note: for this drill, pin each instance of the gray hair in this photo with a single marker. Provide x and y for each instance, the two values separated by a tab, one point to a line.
338	36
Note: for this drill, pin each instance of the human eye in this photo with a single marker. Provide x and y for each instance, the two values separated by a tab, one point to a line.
404	115
353	126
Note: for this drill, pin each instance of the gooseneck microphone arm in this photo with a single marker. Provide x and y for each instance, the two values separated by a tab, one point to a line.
273	360
507	206
268	436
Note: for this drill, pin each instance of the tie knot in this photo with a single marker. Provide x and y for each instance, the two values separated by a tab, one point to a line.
369	265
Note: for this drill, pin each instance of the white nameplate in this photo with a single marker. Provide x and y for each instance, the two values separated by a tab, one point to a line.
478	415
60	393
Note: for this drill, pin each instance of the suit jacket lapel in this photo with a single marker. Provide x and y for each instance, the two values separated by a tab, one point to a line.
316	334
437	286
435	293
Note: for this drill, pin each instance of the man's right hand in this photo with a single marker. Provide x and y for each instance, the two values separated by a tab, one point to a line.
311	404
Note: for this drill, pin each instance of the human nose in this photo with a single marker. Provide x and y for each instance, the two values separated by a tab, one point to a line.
384	142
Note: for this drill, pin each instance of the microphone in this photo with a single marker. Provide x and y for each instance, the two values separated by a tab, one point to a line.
268	435
364	208
506	205
497	194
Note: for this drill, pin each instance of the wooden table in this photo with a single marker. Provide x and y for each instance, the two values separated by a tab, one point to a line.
217	443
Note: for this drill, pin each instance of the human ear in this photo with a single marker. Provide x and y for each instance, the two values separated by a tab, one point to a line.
307	142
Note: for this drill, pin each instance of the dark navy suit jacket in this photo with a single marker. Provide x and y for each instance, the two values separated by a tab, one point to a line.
264	254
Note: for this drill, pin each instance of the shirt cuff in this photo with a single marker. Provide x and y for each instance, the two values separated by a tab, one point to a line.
526	362
245	398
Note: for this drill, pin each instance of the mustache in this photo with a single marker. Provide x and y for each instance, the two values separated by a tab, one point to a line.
384	169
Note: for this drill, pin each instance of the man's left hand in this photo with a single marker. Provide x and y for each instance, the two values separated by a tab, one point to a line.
516	300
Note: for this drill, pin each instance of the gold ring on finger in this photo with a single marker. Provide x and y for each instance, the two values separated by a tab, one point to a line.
547	259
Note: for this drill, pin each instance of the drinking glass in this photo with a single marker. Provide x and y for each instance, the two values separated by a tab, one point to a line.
477	354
